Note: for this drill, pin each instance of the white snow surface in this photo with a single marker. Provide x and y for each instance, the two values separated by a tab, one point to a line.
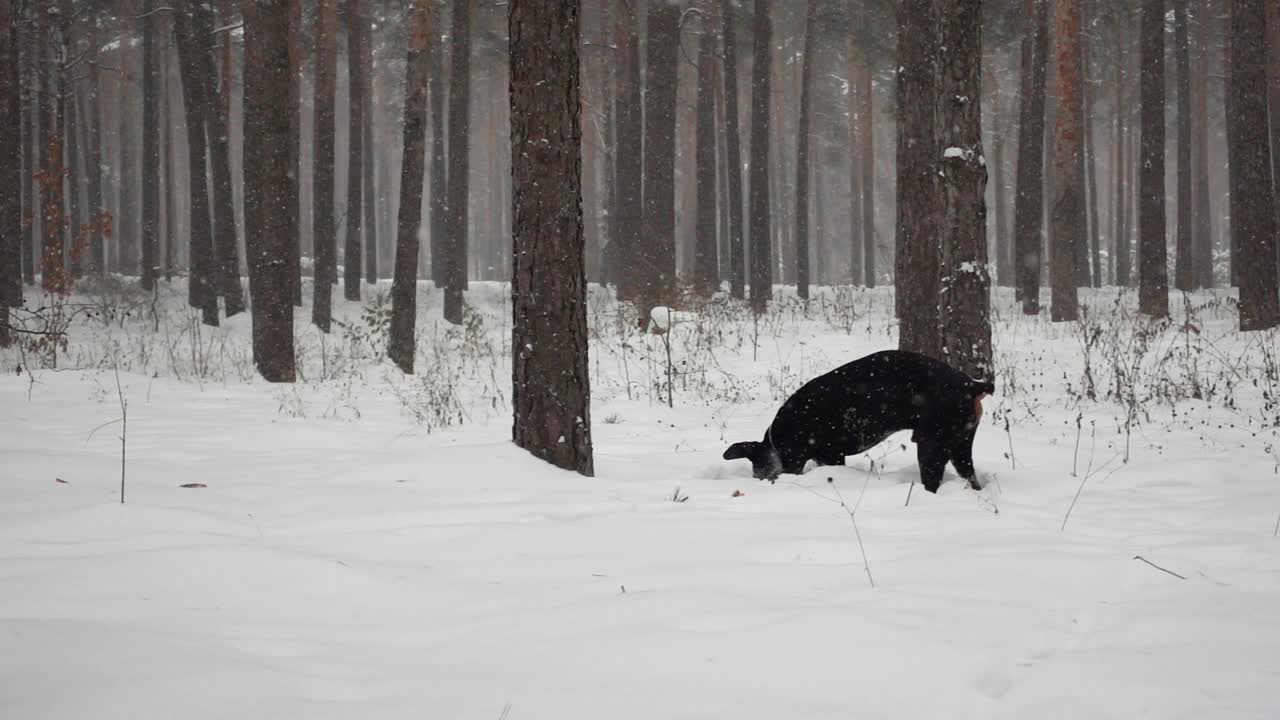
343	562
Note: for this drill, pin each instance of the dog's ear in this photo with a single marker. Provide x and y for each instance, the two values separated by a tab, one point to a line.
741	450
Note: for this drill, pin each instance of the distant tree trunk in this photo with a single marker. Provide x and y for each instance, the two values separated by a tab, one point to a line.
1029	202
1081	248
920	199
1090	154
1124	194
630	157
1252	197
1068	231
323	231
11	235
867	156
266	150
370	194
761	253
803	143
356	101
150	146
92	118
201	291
459	162
1000	129
74	169
31	211
706	258
225	241
656	255
294	205
1183	277
53	250
404	288
1153	273
965	294
733	152
438	188
857	244
1202	237
550	382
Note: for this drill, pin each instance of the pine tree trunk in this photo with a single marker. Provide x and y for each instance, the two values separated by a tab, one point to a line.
438	187
733	152
630	158
1253	218
550	379
1001	124
867	156
1183	277
656	255
322	147
404	289
706	260
803	144
1118	156
150	146
1153	273
356	102
759	234
74	172
11	235
30	139
1202	236
456	235
857	250
1029	202
1081	248
201	291
1068	231
89	110
370	194
918	272
225	242
1273	76
294	205
1090	156
268	230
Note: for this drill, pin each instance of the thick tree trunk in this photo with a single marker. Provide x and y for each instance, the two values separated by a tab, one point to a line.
1028	209
53	253
351	258
920	200
706	259
867	156
630	158
201	290
1273	75
656	255
323	230
267	166
1202	237
91	114
1253	218
11	235
74	168
550	382
733	152
856	243
294	205
1153	273
803	144
1068	231
370	194
1090	155
150	145
225	242
404	288
965	294
438	186
1183	277
761	254
31	211
456	236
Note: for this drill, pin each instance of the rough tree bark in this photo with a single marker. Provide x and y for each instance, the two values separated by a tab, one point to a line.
1252	210
1202	237
761	253
733	152
803	144
965	291
404	288
918	271
1090	157
1028	208
26	38
438	187
1273	74
706	257
370	193
656	255
294	205
1182	276
550	381
357	102
456	237
201	291
11	234
630	157
1153	273
150	146
323	230
267	167
1067	230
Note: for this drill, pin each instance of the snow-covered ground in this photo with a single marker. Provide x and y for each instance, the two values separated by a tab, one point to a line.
372	546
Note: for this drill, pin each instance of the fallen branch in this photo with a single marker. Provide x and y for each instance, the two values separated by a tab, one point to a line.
1139	557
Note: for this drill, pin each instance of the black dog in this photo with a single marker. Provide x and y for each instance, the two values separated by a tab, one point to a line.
856	406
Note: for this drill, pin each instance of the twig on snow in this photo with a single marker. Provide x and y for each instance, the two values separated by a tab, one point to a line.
1139	557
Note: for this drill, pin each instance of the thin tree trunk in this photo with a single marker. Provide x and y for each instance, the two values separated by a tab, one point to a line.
1000	129
918	272
803	143
53	256
705	250
457	234
30	140
1120	155
761	254
1202	237
74	174
356	102
405	286
150	147
1273	74
201	291
867	155
733	152
857	246
1153	273
1253	219
91	113
370	194
1183	277
294	204
657	254
550	380
322	171
630	157
11	235
438	188
1090	154
1029	203
268	230
1068	231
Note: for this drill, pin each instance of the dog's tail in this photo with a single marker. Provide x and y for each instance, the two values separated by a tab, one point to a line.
749	450
765	463
983	387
